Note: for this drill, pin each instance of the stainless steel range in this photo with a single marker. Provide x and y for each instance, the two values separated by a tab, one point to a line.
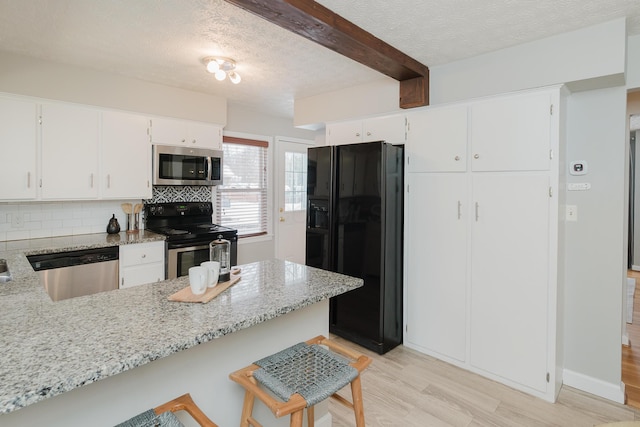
189	230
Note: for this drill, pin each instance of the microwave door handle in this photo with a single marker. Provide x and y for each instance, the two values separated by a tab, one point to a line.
209	175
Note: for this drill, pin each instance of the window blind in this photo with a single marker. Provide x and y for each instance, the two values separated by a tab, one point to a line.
242	200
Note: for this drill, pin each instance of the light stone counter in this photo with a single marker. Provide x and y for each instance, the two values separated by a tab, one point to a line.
50	348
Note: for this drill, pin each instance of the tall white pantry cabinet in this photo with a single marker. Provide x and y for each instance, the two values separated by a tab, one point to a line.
481	252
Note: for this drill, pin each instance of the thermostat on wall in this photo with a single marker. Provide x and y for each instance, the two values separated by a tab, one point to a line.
578	167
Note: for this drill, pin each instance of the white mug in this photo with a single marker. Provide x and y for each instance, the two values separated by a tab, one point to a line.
198	280
213	270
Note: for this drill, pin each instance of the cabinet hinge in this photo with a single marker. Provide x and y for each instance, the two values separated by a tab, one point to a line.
548	377
551	109
39	120
551	154
550	192
406	328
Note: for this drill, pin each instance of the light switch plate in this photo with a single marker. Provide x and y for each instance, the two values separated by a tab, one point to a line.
572	213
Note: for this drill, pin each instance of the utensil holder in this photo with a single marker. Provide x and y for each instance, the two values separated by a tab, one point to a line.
132	222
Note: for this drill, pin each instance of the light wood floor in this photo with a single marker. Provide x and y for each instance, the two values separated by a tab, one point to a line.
631	353
406	388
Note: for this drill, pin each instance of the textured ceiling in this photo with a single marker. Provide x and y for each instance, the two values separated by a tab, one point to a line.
163	41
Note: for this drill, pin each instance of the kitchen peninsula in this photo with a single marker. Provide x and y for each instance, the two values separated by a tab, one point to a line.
100	359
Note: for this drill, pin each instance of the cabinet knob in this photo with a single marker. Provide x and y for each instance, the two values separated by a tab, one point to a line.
456	158
357	133
368	133
184	140
281	219
476	156
193	142
144	255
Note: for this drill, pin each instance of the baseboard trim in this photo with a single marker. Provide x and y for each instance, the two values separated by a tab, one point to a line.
594	386
625	340
635	267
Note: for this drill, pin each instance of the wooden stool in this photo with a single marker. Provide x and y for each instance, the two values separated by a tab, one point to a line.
302	376
163	414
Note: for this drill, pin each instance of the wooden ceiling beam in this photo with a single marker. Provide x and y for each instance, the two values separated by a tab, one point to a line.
315	22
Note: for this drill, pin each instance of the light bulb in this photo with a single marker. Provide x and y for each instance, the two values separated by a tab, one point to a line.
234	77
213	66
220	75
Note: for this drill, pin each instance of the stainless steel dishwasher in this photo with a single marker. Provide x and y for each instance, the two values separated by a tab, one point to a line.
77	273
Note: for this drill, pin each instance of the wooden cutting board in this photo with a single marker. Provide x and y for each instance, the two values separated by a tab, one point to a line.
185	295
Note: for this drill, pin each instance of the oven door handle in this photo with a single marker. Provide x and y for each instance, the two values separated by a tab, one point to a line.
188	249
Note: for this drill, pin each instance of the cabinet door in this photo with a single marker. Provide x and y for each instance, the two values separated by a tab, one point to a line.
511	133
437	216
168	131
391	129
126	156
344	133
141	263
510	277
437	140
205	135
18	143
69	152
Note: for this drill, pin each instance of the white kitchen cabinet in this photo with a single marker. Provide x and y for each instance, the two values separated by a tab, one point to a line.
70	138
436	256
510	283
18	143
125	156
141	263
483	295
391	129
169	131
512	133
437	140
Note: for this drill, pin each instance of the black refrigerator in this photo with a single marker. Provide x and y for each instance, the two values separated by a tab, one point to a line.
355	227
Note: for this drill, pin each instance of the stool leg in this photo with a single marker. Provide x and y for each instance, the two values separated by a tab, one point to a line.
296	418
311	418
356	394
247	409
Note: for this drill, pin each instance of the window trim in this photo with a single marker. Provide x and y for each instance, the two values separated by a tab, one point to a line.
259	140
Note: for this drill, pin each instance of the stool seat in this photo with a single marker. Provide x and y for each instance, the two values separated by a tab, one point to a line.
302	376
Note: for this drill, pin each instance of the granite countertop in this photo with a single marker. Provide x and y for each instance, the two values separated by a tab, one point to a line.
49	348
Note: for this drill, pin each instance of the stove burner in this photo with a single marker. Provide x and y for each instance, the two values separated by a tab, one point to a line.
173	232
211	227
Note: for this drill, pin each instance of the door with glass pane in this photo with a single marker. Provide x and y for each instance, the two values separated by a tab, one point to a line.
291	186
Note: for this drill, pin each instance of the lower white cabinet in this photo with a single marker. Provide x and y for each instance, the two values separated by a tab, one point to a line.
141	263
437	259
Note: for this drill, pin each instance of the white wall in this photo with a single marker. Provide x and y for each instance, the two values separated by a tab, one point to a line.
596	243
633	62
27	76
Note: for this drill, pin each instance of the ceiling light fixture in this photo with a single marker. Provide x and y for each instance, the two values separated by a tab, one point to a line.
221	68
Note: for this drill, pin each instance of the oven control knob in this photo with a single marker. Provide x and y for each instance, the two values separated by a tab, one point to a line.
160	210
152	210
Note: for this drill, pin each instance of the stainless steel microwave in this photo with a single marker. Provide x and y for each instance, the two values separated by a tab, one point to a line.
186	166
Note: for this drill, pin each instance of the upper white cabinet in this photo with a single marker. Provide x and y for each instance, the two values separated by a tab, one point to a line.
512	133
125	156
69	152
184	132
18	142
391	129
437	140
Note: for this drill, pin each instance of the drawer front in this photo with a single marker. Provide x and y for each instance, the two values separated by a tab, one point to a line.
141	253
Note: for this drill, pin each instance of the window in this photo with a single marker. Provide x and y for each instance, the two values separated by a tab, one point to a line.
242	200
295	176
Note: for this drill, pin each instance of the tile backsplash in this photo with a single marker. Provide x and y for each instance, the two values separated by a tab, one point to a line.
33	220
